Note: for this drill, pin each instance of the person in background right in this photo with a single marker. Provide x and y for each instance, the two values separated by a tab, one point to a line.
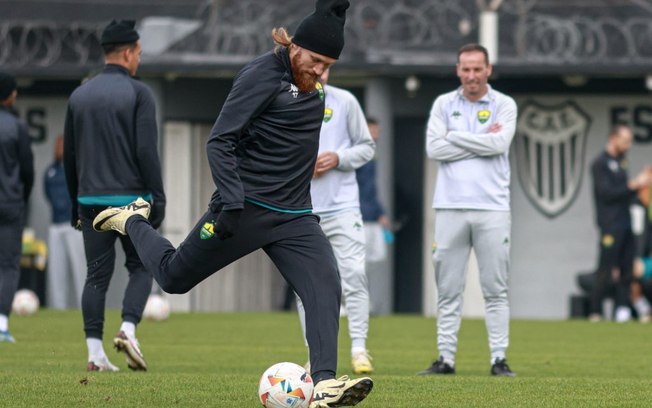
66	258
613	193
378	229
641	288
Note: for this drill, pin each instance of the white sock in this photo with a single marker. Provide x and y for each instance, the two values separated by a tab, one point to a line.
95	349
129	329
4	323
358	345
642	306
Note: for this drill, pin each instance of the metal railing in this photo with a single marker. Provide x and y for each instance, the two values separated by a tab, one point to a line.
615	35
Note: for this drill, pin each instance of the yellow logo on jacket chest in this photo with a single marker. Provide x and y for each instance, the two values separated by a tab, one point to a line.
483	116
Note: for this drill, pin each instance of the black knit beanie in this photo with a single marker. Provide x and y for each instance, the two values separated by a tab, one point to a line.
119	32
7	85
323	31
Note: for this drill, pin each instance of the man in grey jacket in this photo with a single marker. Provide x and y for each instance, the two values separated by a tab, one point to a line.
469	132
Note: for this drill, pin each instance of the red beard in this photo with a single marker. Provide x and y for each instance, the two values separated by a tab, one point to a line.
304	81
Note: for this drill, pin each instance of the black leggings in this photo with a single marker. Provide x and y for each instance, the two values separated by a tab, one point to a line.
617	249
11	231
295	243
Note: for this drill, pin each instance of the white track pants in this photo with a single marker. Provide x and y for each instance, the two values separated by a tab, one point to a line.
66	271
488	232
346	234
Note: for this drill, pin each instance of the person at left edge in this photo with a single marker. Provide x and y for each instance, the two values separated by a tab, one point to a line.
111	158
16	181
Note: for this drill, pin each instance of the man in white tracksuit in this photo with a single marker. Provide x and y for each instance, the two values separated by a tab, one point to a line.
469	132
345	144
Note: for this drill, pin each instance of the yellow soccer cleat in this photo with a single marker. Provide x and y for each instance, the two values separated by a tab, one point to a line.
361	363
115	218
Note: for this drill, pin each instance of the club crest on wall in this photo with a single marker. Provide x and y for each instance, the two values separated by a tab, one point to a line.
550	149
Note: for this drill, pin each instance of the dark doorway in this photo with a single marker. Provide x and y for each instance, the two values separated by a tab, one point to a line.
409	156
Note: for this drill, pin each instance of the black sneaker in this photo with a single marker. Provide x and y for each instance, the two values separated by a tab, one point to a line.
438	367
501	369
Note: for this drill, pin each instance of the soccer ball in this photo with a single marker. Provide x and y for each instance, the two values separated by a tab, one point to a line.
157	308
25	303
285	385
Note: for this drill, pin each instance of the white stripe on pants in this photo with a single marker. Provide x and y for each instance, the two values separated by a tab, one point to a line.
346	234
488	232
66	272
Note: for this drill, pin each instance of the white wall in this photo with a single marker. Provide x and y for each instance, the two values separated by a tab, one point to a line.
251	283
380	274
547	253
45	117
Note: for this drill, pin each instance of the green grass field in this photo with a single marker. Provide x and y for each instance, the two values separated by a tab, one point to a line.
215	360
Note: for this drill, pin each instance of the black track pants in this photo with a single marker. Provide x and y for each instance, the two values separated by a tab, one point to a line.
11	231
100	258
295	243
617	250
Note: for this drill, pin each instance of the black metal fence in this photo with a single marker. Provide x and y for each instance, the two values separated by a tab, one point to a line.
535	36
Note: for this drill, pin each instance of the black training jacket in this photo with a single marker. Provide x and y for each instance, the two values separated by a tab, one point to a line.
610	191
16	161
264	143
110	138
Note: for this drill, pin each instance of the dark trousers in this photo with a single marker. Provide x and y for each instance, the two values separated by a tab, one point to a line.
100	258
646	288
646	249
617	249
295	243
11	233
